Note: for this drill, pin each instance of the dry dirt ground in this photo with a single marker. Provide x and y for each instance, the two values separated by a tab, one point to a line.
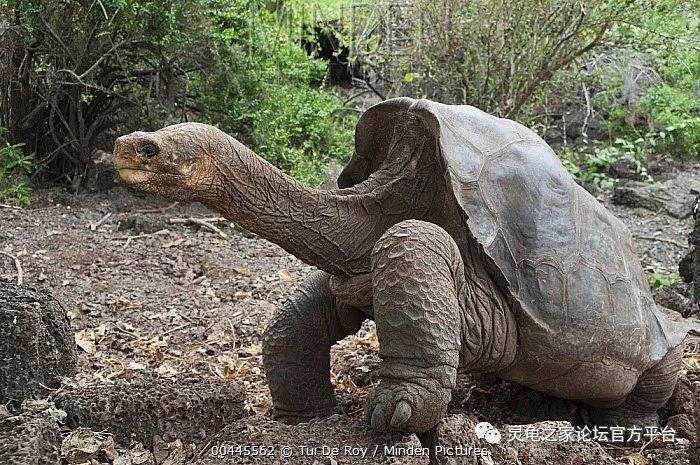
150	294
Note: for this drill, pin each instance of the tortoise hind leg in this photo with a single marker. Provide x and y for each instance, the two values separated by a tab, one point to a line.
653	389
296	349
430	320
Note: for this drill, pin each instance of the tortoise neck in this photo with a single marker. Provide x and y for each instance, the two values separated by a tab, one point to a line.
333	230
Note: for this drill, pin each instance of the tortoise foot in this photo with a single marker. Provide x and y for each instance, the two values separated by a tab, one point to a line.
400	405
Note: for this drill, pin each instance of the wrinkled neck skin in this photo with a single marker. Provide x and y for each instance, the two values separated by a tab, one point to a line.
334	230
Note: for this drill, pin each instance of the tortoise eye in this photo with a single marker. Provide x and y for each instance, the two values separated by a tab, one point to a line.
148	150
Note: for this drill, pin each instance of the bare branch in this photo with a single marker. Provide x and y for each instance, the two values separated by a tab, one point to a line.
18	267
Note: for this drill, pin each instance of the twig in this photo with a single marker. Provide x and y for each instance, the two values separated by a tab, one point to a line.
141	236
662	239
370	86
18	266
4	205
158	210
584	126
204	222
96	226
173	330
233	334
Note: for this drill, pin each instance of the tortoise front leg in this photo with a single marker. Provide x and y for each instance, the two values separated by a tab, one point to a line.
296	349
431	317
417	315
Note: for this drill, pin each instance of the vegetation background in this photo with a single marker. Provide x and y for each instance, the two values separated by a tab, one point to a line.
601	80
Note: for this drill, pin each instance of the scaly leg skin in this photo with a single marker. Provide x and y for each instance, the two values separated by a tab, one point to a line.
417	312
653	389
296	350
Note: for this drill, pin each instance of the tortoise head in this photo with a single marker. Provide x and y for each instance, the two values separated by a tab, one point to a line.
175	161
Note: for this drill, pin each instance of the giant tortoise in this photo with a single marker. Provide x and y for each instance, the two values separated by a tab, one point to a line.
464	238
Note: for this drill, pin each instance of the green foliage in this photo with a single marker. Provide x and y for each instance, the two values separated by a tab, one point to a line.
101	69
594	165
662	42
498	55
660	277
14	164
675	117
265	96
590	167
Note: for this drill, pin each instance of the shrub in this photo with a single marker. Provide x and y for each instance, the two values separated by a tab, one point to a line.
14	165
82	72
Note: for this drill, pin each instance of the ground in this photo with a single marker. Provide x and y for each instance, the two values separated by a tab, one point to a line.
151	293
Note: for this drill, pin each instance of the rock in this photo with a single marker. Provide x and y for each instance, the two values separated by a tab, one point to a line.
675	297
635	194
32	437
36	343
330	178
533	444
140	224
683	425
624	168
337	439
580	122
681	400
675	454
636	197
101	175
188	409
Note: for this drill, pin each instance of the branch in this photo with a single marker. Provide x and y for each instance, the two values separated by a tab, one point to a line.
204	222
662	239
365	83
18	266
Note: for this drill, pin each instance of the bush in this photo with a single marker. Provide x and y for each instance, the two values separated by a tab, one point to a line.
265	97
661	116
494	54
14	166
89	71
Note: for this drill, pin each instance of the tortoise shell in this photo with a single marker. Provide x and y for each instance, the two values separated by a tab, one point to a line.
579	291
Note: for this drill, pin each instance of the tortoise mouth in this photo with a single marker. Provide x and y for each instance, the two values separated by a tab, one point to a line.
132	175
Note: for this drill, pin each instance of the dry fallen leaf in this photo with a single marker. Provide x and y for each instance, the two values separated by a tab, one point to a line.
285	275
85	339
83	445
137	455
101	330
166	371
637	459
124	373
178	453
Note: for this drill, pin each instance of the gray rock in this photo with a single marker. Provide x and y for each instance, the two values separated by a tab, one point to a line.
36	343
32	437
187	409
